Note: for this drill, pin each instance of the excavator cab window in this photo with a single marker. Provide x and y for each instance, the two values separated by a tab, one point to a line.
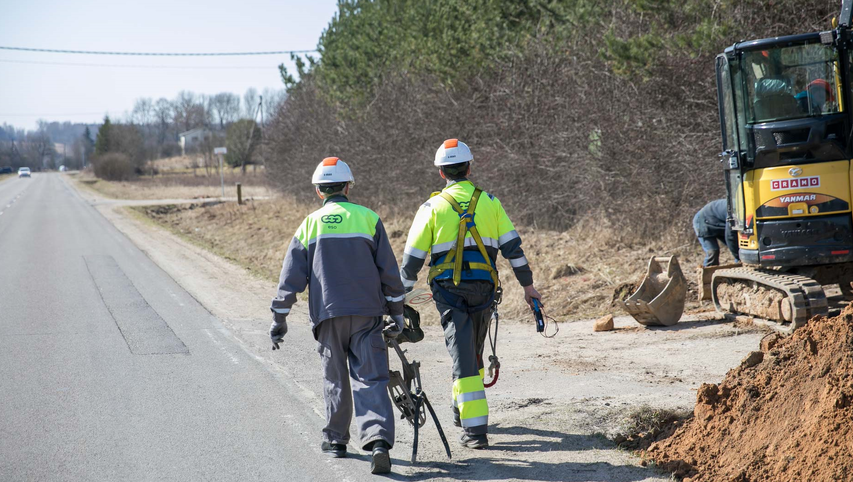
730	126
787	101
790	82
725	100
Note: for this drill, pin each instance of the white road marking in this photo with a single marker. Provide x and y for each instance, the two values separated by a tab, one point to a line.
173	295
219	344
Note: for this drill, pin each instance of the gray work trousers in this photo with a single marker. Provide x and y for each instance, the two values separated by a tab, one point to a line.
357	340
465	333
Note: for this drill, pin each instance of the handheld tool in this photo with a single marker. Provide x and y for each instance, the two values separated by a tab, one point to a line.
405	387
408	396
537	314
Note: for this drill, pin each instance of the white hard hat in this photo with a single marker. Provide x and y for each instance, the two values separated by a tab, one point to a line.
453	152
332	171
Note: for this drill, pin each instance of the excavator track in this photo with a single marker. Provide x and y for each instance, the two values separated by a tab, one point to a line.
796	299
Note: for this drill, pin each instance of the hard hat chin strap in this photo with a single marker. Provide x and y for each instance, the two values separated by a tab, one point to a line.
325	191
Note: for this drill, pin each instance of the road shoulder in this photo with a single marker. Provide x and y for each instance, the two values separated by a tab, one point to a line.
555	401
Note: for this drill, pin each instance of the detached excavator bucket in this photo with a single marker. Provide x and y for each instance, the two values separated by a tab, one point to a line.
660	299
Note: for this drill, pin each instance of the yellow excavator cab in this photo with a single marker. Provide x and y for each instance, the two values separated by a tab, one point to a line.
785	130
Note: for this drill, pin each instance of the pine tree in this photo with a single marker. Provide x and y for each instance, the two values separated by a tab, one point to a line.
87	136
103	143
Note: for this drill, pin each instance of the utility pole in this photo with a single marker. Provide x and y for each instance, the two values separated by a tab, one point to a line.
252	131
263	139
221	151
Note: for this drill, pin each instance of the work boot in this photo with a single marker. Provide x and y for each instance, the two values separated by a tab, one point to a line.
337	451
474	441
380	460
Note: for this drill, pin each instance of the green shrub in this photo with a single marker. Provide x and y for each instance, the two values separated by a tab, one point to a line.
114	166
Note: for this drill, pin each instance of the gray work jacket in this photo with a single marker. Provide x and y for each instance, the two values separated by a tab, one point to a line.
342	255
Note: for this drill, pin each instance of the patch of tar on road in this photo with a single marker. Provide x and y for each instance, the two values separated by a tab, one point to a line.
144	331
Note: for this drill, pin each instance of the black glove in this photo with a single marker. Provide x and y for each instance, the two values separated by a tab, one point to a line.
278	329
393	326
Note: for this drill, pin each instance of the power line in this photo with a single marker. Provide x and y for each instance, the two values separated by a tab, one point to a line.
126	66
160	54
50	115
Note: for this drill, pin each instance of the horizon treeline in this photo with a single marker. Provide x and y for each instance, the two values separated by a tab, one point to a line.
149	131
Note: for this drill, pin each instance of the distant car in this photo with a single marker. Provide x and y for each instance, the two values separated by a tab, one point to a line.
6	170
24	172
62	168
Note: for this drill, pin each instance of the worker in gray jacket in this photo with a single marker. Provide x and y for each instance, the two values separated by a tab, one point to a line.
710	226
342	255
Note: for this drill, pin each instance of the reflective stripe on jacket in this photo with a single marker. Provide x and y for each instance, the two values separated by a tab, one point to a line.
436	225
342	255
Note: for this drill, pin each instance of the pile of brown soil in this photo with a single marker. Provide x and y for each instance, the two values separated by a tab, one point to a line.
785	414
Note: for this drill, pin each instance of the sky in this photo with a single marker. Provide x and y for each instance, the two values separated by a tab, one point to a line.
31	90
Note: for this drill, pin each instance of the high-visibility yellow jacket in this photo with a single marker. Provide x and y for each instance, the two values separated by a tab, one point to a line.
436	226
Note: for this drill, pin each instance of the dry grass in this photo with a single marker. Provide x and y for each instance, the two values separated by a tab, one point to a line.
577	271
179	185
193	163
3	177
643	424
176	162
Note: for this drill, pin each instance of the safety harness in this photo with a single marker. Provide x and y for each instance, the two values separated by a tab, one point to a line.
453	260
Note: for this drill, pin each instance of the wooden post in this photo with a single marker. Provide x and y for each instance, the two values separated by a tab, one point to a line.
222	176
239	194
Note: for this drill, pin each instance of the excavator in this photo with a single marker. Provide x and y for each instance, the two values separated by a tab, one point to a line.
786	119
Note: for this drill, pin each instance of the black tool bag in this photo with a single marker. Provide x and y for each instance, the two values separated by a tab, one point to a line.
412	332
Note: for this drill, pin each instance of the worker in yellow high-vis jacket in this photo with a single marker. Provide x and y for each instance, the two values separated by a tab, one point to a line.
461	229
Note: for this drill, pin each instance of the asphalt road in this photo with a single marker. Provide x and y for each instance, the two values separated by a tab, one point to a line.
109	370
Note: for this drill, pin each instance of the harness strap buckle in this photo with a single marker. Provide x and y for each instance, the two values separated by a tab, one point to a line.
493	363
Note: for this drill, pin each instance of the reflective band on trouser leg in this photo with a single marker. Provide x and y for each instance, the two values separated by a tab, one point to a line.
470	396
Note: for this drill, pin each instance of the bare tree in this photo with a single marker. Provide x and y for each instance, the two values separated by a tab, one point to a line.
250	103
186	110
226	108
203	113
164	114
205	149
242	139
40	148
143	112
273	98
